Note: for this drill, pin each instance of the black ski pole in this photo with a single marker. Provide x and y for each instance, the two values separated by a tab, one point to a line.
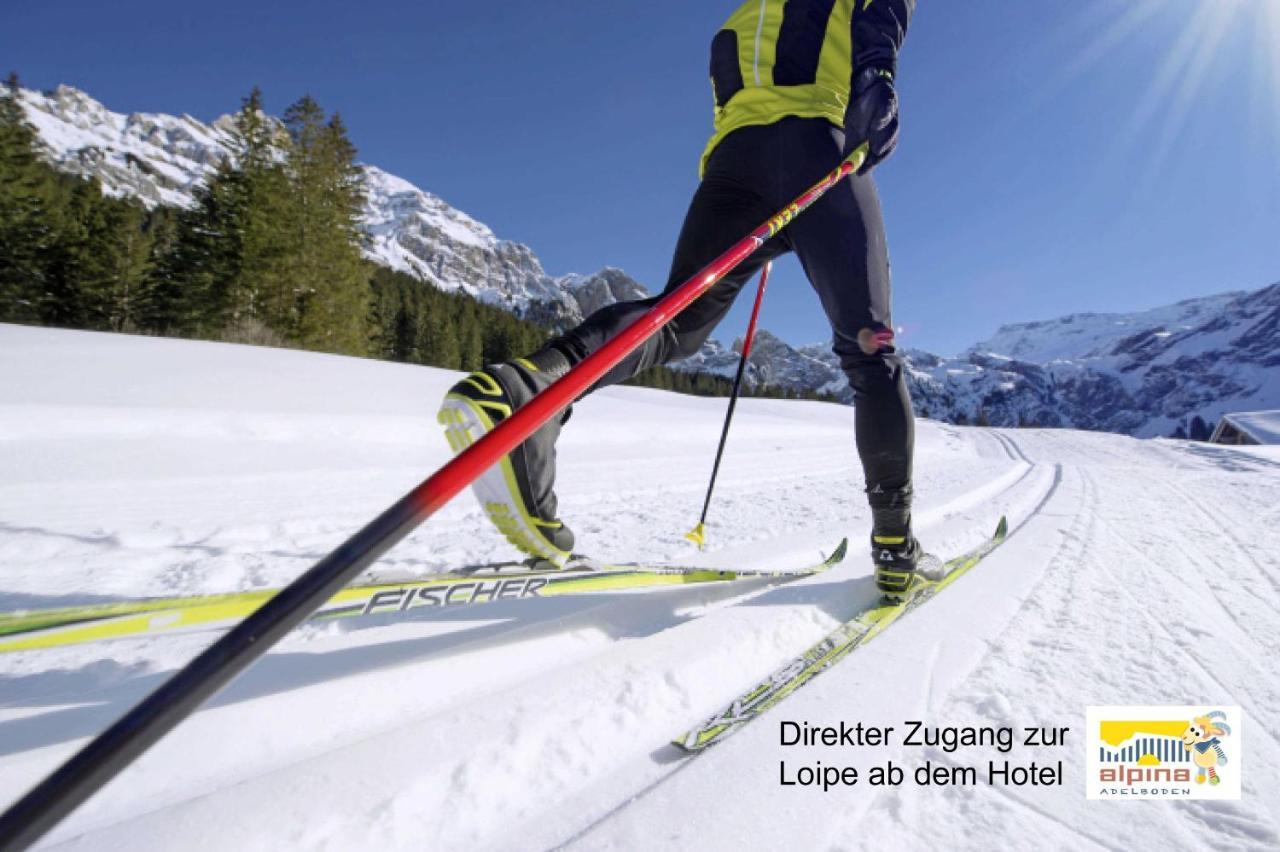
698	535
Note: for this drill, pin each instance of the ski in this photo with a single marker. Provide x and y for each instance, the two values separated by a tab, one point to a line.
28	630
834	647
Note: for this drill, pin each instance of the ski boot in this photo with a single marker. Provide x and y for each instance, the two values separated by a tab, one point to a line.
897	559
517	494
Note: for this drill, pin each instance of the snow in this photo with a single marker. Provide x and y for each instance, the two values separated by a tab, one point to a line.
389	196
1078	336
82	136
1137	572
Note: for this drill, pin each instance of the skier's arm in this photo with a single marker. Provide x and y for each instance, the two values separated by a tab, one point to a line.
879	27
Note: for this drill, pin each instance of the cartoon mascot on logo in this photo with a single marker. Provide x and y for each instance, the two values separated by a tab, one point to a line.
1201	738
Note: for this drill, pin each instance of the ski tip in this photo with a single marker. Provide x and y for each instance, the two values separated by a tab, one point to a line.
1002	528
838	554
687	745
698	535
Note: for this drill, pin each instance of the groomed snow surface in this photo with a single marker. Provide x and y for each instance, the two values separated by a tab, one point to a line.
1138	572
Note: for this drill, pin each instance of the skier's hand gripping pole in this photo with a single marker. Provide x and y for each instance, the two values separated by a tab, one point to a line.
100	760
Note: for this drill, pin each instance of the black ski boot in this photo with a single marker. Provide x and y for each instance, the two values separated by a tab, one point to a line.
897	559
517	493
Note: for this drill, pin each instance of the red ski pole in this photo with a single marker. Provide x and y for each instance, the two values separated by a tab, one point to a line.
698	535
106	755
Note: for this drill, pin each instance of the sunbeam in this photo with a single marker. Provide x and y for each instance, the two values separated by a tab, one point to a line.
1200	50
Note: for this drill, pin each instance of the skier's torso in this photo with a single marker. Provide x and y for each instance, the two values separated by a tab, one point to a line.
773	59
779	58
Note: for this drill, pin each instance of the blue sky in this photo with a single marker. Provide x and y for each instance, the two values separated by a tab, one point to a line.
1056	157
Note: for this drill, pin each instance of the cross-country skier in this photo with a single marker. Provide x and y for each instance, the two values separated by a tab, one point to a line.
798	84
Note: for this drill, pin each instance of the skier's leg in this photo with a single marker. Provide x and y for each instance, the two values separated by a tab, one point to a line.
723	210
841	244
518	493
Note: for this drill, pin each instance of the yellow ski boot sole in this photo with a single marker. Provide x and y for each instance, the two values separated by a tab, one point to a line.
465	422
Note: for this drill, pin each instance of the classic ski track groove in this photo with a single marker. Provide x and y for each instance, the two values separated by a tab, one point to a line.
1048	618
1020	802
1221	523
1230	617
680	761
1224	690
1057	565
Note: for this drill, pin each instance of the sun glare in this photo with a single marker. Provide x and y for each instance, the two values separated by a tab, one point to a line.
1199	52
1179	81
1267	72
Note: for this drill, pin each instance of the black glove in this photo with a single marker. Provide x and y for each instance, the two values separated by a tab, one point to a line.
872	116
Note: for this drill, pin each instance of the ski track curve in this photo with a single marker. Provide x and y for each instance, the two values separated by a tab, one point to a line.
768	634
1046	623
1125	666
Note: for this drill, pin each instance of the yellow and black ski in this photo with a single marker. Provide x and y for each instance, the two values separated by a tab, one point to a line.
834	647
50	628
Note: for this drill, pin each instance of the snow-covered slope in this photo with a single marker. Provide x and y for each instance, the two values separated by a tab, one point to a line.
1137	572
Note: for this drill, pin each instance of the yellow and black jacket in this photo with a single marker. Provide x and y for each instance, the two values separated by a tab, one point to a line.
778	58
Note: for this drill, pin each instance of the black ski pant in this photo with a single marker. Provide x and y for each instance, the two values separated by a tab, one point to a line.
840	241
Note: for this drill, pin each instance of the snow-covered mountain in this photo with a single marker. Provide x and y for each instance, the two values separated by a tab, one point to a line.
1145	373
1077	336
775	362
162	159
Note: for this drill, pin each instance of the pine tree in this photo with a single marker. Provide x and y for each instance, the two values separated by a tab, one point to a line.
25	227
470	339
226	269
330	281
194	285
98	261
68	262
128	255
261	293
438	339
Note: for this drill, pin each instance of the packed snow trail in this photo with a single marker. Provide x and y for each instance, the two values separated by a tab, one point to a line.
1136	571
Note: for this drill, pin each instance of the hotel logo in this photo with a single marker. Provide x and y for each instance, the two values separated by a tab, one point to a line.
1163	752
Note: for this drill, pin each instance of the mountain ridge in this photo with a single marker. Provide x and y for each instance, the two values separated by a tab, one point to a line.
1145	373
